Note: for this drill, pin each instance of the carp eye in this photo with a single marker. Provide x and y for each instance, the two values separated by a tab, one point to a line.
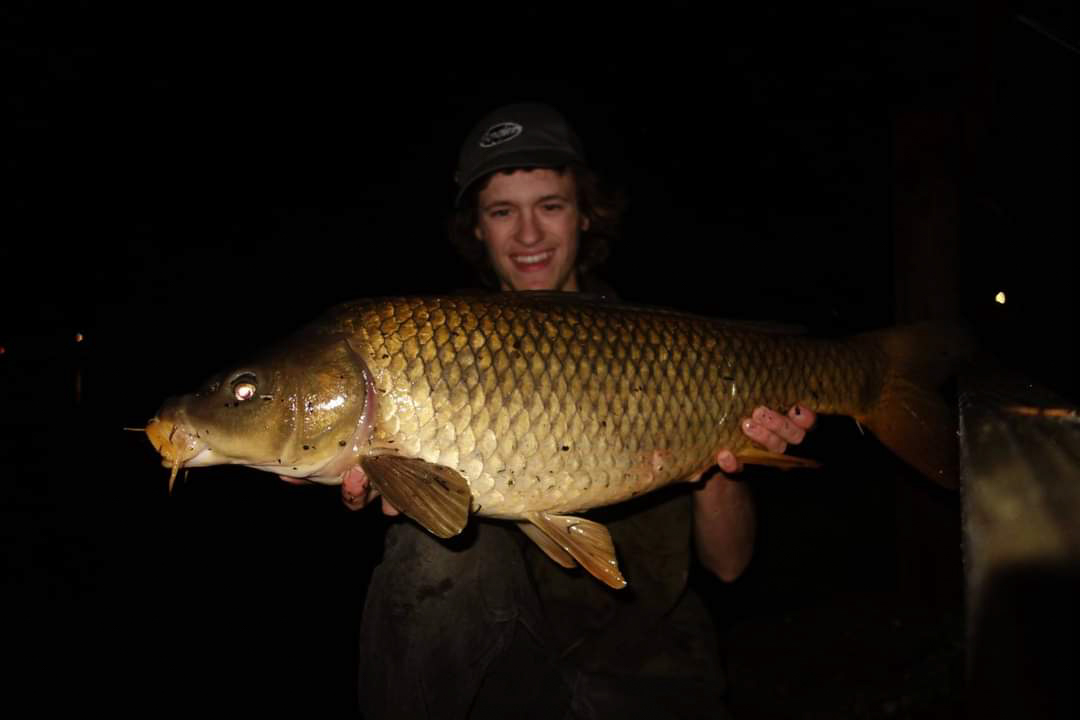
244	387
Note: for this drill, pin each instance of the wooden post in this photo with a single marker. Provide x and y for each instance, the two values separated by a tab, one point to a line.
926	220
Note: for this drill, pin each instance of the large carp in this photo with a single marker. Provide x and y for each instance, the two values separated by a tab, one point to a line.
534	406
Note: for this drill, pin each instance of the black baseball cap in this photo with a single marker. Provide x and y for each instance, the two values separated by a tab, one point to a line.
525	135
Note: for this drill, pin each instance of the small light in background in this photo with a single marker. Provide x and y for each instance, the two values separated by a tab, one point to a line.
78	337
1000	298
2	350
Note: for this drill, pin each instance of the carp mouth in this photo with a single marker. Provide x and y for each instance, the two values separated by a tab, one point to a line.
176	445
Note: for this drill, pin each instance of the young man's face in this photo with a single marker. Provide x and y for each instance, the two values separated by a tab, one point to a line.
529	221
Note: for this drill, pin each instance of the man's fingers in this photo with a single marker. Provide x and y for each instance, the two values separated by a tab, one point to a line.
356	491
763	436
802	417
353	502
774	422
727	462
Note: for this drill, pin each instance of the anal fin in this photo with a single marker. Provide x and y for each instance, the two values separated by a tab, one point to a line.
551	548
755	456
583	540
433	495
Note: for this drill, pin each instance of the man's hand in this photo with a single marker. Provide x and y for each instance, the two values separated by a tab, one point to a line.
772	431
725	524
356	491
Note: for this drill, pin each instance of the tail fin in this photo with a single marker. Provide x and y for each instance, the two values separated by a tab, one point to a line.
910	417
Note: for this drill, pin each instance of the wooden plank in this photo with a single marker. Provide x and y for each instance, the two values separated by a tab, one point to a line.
1020	473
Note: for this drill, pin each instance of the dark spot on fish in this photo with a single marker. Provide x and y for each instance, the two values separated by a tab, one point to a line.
510	482
294	468
385	356
565	447
306	447
550	488
603	423
513	344
279	461
728	378
341	443
798	410
267	397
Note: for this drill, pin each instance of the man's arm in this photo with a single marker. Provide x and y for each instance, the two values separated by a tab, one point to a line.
725	524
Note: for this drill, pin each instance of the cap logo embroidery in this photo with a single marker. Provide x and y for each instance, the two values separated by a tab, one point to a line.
500	133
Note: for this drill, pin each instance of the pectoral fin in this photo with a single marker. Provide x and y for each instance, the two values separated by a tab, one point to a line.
433	495
754	456
586	541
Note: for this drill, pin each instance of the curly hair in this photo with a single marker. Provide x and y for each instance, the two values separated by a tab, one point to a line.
601	205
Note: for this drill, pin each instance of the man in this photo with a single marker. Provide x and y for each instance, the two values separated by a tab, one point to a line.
486	625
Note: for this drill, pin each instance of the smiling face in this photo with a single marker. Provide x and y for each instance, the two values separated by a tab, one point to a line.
530	222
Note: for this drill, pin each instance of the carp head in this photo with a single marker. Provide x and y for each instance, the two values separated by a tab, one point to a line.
303	410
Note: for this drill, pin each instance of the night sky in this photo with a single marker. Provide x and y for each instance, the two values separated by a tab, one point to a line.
188	184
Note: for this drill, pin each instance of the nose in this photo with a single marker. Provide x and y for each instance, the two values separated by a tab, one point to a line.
529	232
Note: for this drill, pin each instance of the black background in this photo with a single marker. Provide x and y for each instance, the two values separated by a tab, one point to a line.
188	183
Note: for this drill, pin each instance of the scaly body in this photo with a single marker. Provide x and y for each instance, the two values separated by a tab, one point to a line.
552	405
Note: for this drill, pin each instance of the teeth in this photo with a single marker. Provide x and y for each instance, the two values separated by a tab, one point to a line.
538	257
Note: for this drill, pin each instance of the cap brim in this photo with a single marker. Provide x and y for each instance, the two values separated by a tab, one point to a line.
522	158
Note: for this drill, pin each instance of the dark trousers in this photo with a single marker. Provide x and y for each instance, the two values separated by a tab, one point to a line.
456	630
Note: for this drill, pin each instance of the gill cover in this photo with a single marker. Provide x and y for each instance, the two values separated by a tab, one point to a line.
294	411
